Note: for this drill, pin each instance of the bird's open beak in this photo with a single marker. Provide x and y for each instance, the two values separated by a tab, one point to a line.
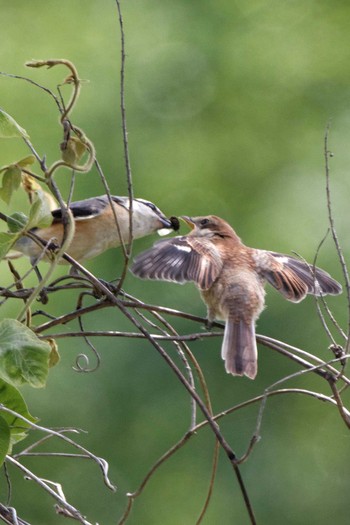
188	221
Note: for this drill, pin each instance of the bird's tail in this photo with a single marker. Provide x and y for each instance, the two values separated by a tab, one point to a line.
239	349
23	246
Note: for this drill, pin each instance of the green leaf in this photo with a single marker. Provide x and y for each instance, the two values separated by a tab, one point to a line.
7	240
40	212
23	163
24	358
4	439
10	182
11	398
9	127
17	222
73	151
27	161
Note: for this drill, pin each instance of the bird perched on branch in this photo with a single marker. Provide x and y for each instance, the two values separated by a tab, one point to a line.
231	279
95	226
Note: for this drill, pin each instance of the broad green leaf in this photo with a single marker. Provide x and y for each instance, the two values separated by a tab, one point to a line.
40	212
9	127
4	439
17	222
11	181
20	164
24	358
11	398
7	240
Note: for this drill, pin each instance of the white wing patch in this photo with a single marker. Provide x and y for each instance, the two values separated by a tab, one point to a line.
282	259
183	248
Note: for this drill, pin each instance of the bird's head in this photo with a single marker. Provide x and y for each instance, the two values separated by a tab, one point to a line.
148	218
209	226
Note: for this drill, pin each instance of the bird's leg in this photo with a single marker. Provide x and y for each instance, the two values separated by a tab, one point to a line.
111	287
74	272
210	319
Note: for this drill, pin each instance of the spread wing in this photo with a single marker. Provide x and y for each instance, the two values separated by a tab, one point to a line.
87	208
180	259
293	277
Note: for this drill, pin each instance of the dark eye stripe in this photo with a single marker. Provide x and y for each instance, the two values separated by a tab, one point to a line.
149	204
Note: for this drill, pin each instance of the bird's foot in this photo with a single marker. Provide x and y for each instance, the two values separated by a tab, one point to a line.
113	288
209	324
43	298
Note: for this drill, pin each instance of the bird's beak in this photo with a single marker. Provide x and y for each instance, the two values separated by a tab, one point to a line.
188	221
166	223
169	225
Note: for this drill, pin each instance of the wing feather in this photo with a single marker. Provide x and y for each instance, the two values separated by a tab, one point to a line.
180	259
85	209
293	277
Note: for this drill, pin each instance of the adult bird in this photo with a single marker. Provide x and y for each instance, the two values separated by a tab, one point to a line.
95	227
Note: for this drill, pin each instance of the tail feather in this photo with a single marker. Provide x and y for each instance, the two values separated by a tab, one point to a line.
239	349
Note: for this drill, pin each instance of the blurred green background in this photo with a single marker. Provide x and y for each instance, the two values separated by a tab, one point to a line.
227	105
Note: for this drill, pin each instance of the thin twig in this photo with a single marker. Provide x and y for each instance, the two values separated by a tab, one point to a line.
99	461
229	451
134	335
333	230
124	126
9	516
47	90
184	348
181	349
115	216
86	367
331	381
133	495
44	485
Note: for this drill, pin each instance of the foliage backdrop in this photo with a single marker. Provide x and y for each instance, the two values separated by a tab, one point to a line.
227	103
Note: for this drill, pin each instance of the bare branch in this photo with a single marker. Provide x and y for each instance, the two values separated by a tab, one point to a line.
100	461
73	512
333	230
124	125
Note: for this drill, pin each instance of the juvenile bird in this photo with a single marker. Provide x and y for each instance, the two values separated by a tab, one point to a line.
95	226
231	279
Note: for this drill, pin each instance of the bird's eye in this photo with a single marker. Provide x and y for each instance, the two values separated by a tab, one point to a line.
204	222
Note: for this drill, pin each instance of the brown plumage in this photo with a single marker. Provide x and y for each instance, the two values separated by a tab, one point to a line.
231	279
